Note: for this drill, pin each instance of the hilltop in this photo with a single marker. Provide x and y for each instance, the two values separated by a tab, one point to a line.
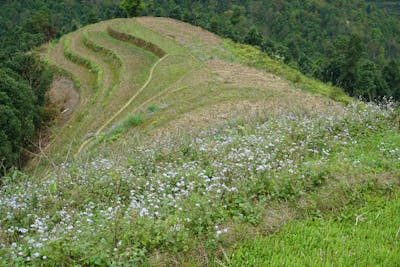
176	147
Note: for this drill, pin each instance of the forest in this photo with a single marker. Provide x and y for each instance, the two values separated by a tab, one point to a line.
350	44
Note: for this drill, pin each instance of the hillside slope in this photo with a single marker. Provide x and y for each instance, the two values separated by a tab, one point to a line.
129	69
184	147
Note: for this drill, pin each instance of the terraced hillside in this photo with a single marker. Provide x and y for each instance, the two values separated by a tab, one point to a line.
177	148
126	70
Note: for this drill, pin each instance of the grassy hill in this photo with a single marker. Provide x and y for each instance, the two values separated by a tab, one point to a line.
123	68
183	147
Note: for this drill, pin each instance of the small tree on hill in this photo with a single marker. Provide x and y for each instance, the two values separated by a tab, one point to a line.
132	8
253	37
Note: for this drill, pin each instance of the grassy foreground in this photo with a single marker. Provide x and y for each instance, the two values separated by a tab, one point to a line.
367	236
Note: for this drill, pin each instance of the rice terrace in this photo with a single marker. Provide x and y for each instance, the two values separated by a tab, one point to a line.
176	147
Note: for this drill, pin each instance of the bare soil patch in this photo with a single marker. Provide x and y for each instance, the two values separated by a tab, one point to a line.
63	95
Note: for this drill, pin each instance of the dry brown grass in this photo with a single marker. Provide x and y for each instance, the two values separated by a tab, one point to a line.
218	114
242	76
182	33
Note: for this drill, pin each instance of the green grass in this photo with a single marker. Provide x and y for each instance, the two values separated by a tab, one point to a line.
126	68
167	73
115	58
184	198
354	221
132	77
367	236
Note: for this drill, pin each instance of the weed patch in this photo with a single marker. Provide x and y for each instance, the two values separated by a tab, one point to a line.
129	122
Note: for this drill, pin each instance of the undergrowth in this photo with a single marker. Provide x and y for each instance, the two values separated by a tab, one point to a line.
120	128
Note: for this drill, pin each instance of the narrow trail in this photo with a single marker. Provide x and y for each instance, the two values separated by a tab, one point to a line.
87	141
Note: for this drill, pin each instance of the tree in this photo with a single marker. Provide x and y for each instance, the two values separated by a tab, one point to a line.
366	84
176	12
42	23
343	66
254	37
10	136
236	15
214	25
132	8
35	72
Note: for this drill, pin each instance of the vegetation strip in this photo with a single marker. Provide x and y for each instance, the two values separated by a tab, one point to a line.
84	62
99	48
156	50
117	61
366	236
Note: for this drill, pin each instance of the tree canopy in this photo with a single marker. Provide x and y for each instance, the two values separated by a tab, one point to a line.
132	8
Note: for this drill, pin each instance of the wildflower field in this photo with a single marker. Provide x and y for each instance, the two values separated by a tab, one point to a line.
191	198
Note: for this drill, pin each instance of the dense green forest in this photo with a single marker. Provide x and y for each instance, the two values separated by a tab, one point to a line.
351	44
